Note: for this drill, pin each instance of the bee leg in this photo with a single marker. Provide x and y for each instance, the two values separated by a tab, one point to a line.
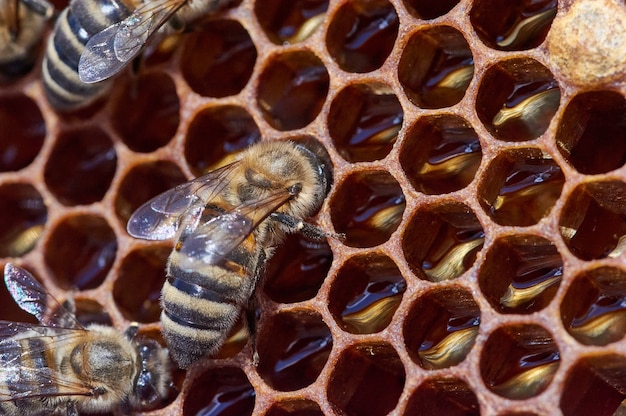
294	224
71	409
253	311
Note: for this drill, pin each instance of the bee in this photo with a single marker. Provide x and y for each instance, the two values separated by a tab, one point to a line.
226	225
60	367
93	40
22	23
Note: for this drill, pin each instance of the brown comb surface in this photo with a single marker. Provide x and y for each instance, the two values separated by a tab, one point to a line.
478	150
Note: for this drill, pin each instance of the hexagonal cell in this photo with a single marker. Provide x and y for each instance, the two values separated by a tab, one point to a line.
23	132
10	310
143	182
290	21
80	251
81	166
367	207
593	220
220	391
361	34
143	270
441	327
517	99
146	112
297	269
519	361
367	380
90	312
513	25
441	241
293	348
436	67
364	121
292	89
428	9
443	396
440	154
520	187
23	215
592	132
594	308
365	293
595	385
232	129
521	274
218	59
295	408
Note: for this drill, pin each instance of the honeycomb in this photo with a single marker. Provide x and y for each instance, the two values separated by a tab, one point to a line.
478	150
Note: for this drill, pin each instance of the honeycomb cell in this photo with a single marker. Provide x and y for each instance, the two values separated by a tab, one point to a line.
443	396
143	182
293	348
137	289
592	132
217	61
519	361
521	274
367	207
290	21
216	132
428	9
440	154
146	113
295	408
361	34
441	241
292	89
436	67
367	380
90	312
23	215
593	220
517	99
81	166
595	385
10	310
364	122
513	25
594	308
23	132
80	251
520	187
441	327
297	270
223	391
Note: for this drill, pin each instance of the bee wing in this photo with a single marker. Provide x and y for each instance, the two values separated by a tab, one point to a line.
160	217
110	50
32	296
212	241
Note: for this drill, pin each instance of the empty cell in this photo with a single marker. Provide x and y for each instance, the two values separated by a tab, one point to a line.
440	154
23	132
441	327
441	241
290	21
361	34
520	187
517	99
364	121
23	215
521	274
292	89
91	312
436	67
218	59
440	396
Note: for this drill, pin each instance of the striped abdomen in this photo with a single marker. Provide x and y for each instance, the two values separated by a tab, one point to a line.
76	24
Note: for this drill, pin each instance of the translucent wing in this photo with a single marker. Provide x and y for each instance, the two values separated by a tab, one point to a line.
110	50
31	296
212	241
161	217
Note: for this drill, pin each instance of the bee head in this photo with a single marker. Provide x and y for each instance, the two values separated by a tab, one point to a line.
153	379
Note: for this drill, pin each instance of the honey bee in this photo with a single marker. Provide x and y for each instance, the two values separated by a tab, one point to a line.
22	23
95	39
60	367
226	224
